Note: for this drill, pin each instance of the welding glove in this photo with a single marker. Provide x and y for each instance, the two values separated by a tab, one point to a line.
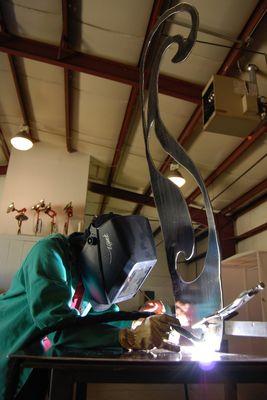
153	332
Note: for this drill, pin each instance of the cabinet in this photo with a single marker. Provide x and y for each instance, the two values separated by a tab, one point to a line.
13	250
241	272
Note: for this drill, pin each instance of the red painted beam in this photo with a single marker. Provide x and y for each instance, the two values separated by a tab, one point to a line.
251	232
129	113
235	52
239	150
260	188
225	69
67	75
226	231
68	109
169	86
4	145
197	215
16	80
89	64
250	206
121	140
20	97
231	59
3	169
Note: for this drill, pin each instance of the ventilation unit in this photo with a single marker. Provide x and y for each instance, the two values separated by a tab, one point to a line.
230	106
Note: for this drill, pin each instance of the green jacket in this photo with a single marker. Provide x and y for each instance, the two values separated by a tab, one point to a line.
40	295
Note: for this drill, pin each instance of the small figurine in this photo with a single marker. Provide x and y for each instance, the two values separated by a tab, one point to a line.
69	211
39	207
20	217
52	214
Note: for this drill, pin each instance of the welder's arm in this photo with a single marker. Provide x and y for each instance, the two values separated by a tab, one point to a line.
46	285
87	337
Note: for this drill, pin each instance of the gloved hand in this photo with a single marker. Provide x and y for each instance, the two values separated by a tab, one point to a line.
153	332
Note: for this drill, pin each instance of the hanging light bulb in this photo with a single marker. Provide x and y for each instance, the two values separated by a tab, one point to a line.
175	176
22	140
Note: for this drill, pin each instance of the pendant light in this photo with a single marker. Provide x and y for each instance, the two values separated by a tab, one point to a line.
22	140
175	176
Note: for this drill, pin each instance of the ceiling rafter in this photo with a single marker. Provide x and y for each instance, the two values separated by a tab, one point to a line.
3	169
251	232
131	106
258	189
250	206
197	215
121	140
4	146
97	66
231	59
231	159
16	79
63	48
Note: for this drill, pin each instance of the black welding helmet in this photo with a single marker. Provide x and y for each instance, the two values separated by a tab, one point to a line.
118	255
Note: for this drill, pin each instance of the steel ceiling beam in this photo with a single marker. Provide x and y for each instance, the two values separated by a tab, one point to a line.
16	79
130	110
64	47
3	169
197	215
88	64
4	145
252	23
251	232
250	206
259	189
121	140
231	159
231	58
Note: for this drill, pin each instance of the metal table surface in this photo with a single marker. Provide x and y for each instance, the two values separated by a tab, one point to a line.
70	366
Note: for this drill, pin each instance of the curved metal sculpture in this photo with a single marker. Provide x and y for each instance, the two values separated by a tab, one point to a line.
204	293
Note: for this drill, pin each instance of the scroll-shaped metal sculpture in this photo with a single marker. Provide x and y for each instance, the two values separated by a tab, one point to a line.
204	293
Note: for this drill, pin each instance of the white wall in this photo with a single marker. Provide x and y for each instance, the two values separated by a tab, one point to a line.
250	220
49	173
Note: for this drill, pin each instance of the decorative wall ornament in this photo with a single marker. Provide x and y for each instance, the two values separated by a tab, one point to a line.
38	208
20	217
52	214
204	294
69	213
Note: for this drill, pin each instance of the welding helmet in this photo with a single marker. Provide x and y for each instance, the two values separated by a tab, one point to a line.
118	254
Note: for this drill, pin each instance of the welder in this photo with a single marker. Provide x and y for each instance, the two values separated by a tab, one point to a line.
63	280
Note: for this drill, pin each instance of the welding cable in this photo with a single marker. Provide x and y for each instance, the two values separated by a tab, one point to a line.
89	320
13	371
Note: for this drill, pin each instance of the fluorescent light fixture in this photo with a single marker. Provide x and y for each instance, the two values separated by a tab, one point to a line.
22	140
175	176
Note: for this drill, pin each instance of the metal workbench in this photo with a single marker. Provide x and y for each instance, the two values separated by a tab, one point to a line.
70	366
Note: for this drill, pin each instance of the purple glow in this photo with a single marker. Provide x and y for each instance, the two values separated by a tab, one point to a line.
207	365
